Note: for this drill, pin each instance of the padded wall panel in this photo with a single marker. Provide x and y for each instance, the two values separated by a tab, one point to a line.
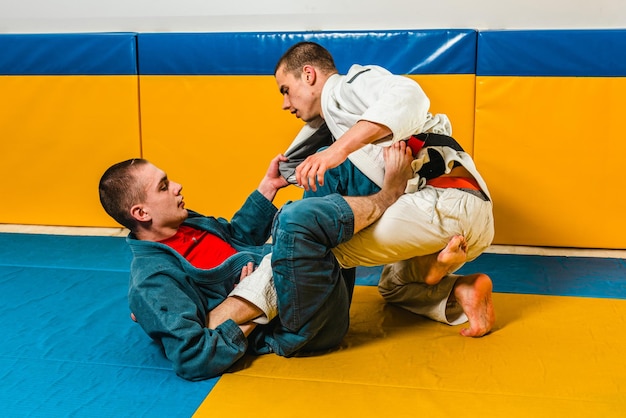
69	109
453	94
401	52
215	135
550	135
211	112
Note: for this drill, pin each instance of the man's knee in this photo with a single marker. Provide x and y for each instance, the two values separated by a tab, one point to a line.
326	221
293	217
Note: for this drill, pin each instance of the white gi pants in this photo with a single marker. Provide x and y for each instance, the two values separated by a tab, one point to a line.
417	225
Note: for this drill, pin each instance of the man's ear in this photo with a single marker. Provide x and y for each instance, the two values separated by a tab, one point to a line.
309	74
139	213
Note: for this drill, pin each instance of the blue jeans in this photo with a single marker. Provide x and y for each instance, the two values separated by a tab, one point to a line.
313	303
346	180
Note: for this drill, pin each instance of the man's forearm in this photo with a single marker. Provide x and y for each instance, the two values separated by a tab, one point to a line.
239	310
267	190
273	180
362	133
247	328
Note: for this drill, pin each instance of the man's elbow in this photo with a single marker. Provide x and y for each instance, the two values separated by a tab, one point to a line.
195	372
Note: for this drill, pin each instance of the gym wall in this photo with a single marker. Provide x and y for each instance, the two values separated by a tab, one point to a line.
211	110
205	107
550	135
69	107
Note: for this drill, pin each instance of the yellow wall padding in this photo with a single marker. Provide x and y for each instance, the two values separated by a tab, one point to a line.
552	151
216	134
548	356
551	147
59	134
453	95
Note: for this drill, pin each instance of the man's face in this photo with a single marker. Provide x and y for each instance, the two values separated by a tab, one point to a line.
163	202
300	98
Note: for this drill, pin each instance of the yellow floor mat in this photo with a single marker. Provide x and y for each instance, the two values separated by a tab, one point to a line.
548	356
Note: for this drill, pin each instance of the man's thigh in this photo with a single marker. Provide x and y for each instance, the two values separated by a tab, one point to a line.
418	224
405	230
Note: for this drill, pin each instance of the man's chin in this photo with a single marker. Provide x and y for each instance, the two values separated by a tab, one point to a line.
315	121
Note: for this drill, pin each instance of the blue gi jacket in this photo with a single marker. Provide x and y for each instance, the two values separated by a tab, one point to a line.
171	299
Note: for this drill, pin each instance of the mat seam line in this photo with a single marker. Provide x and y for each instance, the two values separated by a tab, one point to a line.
420	388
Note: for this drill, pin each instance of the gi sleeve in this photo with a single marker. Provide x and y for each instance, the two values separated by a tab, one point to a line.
169	316
395	101
252	223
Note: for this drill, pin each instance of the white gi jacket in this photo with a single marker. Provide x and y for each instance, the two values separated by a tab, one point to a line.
418	224
374	94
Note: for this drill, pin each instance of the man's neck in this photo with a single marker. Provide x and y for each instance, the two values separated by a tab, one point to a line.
155	234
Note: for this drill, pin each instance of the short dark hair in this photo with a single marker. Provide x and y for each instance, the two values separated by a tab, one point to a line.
303	53
120	189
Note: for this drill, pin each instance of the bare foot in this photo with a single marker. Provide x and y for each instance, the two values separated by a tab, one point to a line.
473	292
448	260
398	171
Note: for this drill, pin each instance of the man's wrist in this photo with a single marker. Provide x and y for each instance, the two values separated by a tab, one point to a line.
267	189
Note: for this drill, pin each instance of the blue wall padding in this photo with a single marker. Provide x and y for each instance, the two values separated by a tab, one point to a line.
565	53
437	51
69	54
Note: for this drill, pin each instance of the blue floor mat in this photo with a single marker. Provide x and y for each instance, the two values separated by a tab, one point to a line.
69	347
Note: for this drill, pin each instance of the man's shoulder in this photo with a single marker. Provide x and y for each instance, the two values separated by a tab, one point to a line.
358	69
